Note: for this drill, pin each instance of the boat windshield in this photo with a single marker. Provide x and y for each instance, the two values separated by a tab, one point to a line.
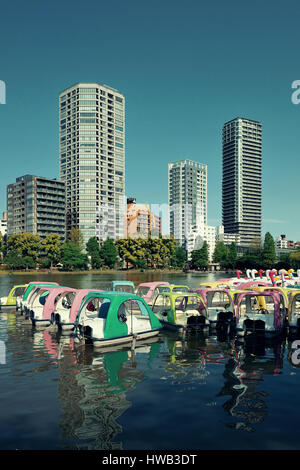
67	300
18	292
180	289
124	288
217	299
161	303
253	304
187	304
142	291
162	289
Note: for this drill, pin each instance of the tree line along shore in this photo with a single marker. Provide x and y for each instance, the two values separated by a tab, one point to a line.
27	251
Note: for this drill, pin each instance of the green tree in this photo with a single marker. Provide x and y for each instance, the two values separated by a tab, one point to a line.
231	256
255	245
44	262
268	252
76	237
249	260
29	262
15	260
72	256
124	248
52	246
178	259
148	252
109	253
220	254
295	259
26	244
141	264
92	248
199	259
284	261
158	253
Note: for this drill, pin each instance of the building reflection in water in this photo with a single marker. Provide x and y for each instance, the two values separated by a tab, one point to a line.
244	374
92	389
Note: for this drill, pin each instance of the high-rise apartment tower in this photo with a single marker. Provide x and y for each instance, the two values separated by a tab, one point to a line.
242	179
92	159
187	182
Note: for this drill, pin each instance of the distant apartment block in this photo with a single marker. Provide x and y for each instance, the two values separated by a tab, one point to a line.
140	221
199	234
195	239
227	238
92	159
210	238
282	242
36	205
242	179
187	197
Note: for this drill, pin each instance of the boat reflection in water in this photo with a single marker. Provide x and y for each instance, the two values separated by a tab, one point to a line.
93	386
244	377
187	360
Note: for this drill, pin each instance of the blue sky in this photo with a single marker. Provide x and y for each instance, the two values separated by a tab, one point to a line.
185	68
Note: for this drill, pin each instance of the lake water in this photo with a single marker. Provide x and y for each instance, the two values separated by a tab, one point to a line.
203	393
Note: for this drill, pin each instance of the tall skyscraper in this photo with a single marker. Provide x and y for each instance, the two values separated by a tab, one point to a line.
36	205
92	159
242	179
187	181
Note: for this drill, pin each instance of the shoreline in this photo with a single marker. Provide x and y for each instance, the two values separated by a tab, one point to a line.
93	271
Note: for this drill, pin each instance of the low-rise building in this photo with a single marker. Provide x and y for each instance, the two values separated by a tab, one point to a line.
210	238
198	234
227	238
140	221
281	242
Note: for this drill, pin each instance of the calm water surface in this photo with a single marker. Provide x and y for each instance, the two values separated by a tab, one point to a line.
203	393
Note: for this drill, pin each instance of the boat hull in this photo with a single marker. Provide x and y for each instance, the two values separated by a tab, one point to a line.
98	343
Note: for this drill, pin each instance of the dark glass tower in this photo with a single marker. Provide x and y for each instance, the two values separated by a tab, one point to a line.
242	179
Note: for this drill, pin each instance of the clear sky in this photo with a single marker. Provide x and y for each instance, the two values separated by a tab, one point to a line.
185	68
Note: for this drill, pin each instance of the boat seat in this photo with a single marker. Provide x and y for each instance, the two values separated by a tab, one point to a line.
103	310
193	312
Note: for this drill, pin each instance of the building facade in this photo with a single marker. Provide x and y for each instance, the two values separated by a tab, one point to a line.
140	221
210	238
92	159
36	205
199	234
242	179
187	198
282	242
3	225
227	238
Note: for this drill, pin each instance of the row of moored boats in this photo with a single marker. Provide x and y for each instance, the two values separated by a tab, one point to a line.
260	303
